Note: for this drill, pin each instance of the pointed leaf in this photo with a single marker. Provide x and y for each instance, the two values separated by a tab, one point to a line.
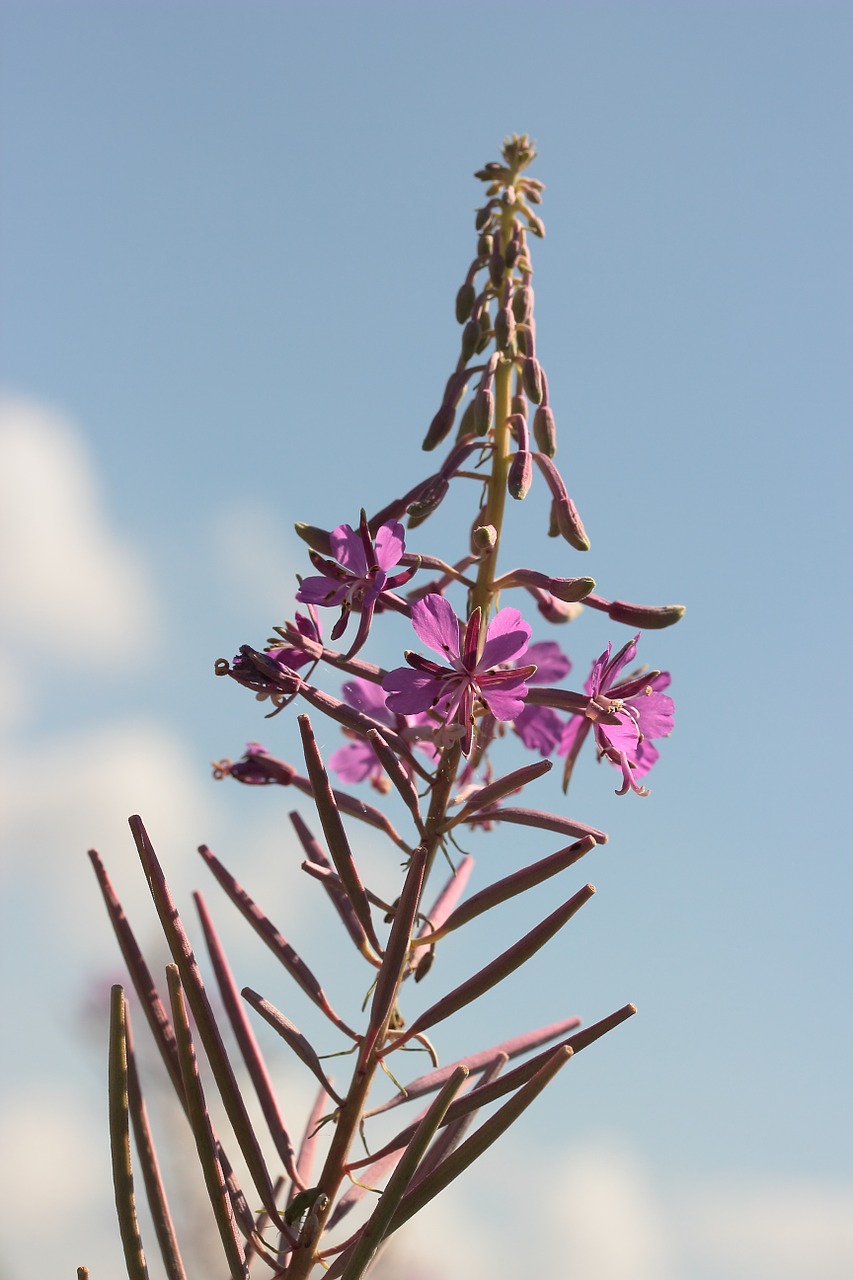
539	818
293	1037
131	1240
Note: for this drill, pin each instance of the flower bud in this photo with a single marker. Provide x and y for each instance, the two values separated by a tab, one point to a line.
470	338
532	194
465	299
531	376
651	617
484	245
520	475
517	424
483	537
513	249
440	427
504	329
496	268
544	430
431	494
482	216
537	226
522	303
519	406
484	405
317	539
466	423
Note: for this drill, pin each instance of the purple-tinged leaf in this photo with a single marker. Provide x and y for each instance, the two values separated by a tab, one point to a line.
199	1118
398	775
277	943
245	1038
293	1037
454	1131
498	969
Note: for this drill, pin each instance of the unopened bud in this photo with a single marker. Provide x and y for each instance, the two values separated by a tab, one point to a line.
531	376
504	329
517	424
519	406
440	427
513	249
431	495
532	194
466	422
496	268
470	338
520	475
522	303
509	195
465	299
482	217
484	245
484	404
545	430
317	539
650	617
537	226
483	537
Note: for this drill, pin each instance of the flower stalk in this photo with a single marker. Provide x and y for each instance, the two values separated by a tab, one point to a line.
432	732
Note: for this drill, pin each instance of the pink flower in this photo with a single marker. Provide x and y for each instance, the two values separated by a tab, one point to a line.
356	760
358	574
540	728
455	691
641	710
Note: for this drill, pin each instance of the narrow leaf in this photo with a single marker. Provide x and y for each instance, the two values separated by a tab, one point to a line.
398	775
335	890
450	1136
396	952
494	791
131	1240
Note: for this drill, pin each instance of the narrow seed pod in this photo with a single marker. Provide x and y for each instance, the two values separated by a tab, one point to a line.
545	430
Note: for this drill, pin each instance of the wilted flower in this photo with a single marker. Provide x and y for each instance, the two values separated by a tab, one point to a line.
643	712
453	691
358	574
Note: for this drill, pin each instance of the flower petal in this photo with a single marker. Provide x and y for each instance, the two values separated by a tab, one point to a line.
324	591
540	728
551	663
411	691
390	544
348	550
507	638
437	625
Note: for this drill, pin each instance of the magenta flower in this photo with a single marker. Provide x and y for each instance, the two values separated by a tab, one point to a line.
540	728
643	712
453	692
356	761
358	574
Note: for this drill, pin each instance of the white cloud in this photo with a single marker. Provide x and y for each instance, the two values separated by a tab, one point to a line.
67	577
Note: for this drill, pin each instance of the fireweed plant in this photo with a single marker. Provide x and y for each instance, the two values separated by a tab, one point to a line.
428	729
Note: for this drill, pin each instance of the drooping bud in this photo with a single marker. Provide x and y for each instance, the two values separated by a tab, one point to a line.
537	226
317	539
519	406
504	329
484	407
433	492
531	376
522	304
513	249
465	299
517	424
520	475
484	245
466	422
440	427
569	523
650	617
470	338
496	268
545	430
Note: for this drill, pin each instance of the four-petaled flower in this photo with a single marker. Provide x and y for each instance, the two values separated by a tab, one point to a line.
640	710
472	677
357	761
357	575
540	728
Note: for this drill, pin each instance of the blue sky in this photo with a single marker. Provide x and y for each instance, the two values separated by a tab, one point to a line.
230	241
